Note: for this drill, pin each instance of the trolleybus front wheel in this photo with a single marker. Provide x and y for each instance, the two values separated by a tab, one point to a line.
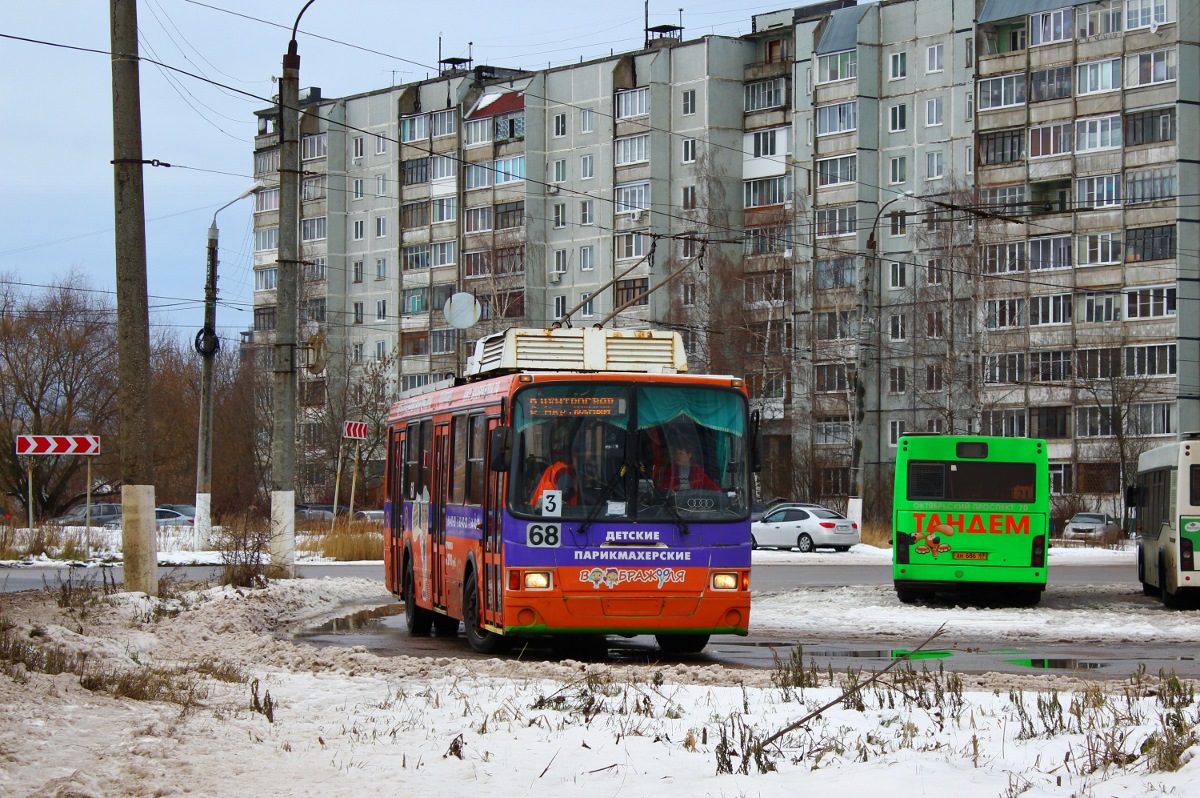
480	639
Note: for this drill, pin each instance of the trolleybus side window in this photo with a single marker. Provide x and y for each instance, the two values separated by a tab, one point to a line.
425	483
412	461
458	460
476	451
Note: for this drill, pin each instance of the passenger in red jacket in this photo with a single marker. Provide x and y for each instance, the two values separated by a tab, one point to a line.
683	474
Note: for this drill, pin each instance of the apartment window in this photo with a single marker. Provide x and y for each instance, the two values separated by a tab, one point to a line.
1008	367
414	214
312	229
416	300
266	279
969	157
313	188
765	143
1147	13
896	430
359	146
933	58
585	120
837	118
478	175
1050	84
898	170
689	102
443	123
1154	418
933	112
1102	191
560	215
586	168
560	125
831	273
477	131
586	212
443	253
689	198
1049	140
832	429
1004	422
1003	199
634	102
1145	69
767	241
381	310
358	188
1098	133
1101	364
1101	307
836	171
442	167
1049	422
442	342
1094	422
381	227
898	223
1150	185
632	149
934	165
832	325
381	143
1050	252
264	319
359	229
314	269
1150	127
767	191
935	324
969	107
381	268
898	118
478	220
1151	360
510	170
357	271
631	197
560	262
510	260
588	309
899	68
414	257
1004	258
1005	314
1001	92
266	238
689	150
836	66
837	221
636	290
1150	303
415	171
559	171
898	275
312	147
412	128
935	272
587	258
1093	249
1049	309
934	377
1100	18
1002	146
444	209
629	245
1150	243
1098	76
1050	27
509	126
509	214
764	94
833	378
897	379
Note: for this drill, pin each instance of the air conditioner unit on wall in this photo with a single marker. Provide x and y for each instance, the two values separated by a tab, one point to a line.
551	189
555	277
637	216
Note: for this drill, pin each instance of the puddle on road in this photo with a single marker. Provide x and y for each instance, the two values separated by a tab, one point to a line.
359	621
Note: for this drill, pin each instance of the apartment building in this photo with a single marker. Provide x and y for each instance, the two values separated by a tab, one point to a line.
909	215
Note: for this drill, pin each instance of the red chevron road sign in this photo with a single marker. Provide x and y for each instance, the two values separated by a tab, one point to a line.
355	429
58	444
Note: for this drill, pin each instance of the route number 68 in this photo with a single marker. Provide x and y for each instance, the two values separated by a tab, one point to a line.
543	536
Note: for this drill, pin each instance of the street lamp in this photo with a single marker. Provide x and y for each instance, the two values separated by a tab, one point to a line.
865	296
207	345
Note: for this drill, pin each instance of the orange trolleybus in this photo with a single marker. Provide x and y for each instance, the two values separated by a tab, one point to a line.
574	482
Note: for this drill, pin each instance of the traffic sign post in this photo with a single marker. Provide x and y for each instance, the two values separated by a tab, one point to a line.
88	445
356	431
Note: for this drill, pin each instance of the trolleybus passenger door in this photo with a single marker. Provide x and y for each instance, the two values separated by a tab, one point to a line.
394	523
437	512
493	559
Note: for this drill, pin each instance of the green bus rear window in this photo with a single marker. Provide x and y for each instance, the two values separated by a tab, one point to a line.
972	481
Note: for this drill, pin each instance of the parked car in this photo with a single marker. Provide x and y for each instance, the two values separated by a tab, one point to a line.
805	527
371	516
306	512
186	509
163	516
759	508
102	513
1092	526
328	508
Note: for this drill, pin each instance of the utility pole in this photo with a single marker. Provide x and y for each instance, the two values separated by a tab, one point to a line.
133	308
207	346
283	443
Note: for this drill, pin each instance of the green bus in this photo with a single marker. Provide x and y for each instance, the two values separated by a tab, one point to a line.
1166	500
971	514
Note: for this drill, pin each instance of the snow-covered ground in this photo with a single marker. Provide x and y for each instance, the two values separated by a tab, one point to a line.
346	722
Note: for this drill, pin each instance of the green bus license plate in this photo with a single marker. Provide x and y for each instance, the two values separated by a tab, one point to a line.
970	555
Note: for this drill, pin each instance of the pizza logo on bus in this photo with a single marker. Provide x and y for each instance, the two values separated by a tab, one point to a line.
932	529
614	576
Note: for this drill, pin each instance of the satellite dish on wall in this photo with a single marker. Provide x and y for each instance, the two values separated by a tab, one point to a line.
462	310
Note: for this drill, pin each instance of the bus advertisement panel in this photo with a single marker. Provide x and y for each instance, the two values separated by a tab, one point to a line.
970	514
1165	499
568	504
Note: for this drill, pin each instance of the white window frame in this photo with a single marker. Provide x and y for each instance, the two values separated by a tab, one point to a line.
631	197
935	59
898	118
587	258
1098	77
899	66
587	168
560	126
1051	27
935	165
934	116
836	67
631	149
837	118
632	103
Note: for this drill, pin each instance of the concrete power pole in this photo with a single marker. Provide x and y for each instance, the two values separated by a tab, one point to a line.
283	443
133	311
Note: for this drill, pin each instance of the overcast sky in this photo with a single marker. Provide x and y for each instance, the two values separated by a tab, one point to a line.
57	200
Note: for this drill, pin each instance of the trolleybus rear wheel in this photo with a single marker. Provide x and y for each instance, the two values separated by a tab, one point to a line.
418	619
681	644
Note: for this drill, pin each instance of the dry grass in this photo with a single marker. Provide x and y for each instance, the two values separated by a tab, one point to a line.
349	541
877	533
51	540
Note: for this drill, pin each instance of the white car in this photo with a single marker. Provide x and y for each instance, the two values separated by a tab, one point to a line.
805	528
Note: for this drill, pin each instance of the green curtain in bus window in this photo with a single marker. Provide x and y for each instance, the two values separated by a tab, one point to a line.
721	411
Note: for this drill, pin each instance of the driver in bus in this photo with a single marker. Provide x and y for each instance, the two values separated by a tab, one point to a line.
559	475
683	474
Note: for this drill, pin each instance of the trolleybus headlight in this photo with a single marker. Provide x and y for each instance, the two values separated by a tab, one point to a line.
537	580
725	581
